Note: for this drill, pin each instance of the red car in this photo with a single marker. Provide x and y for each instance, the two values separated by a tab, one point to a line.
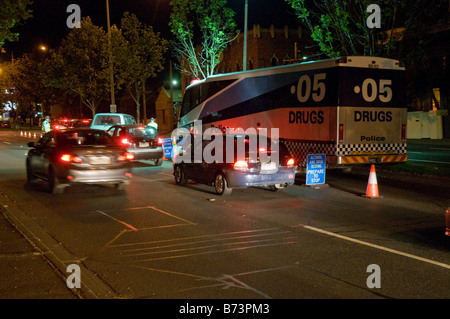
5	124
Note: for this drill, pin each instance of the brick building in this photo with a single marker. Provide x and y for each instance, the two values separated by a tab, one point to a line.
266	47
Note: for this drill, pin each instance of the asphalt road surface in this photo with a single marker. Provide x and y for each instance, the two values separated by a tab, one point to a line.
163	241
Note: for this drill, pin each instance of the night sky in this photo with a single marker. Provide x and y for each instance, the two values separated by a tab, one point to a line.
48	24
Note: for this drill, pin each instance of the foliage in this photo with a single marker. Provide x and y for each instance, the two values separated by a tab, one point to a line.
339	27
202	29
80	64
23	80
141	55
12	13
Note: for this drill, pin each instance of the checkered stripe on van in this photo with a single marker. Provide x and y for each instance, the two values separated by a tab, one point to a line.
348	149
300	150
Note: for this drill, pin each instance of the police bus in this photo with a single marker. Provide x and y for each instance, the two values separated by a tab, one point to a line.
352	109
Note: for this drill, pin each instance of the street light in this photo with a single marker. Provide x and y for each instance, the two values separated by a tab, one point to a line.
245	36
111	71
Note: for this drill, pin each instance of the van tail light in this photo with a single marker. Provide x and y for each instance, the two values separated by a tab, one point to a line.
403	132
290	162
240	165
341	133
125	157
70	158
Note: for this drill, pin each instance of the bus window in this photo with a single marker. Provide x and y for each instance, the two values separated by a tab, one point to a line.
186	106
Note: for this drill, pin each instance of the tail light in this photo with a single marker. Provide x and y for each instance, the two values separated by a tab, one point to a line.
341	133
125	141
240	165
70	158
125	157
160	141
403	132
290	162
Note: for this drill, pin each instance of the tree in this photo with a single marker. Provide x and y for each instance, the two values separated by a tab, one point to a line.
26	87
12	13
202	29
142	56
339	27
80	64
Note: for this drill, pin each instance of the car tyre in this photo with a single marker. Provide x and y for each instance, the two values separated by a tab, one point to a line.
158	162
30	176
180	176
53	182
221	185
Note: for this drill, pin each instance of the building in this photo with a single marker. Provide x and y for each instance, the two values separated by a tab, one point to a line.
167	109
266	47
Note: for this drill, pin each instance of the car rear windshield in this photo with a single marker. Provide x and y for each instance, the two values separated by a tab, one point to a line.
148	132
107	120
86	138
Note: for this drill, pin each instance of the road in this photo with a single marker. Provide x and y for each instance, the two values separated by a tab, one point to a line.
429	151
158	240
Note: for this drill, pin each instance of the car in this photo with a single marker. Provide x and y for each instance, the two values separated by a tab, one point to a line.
241	171
103	121
5	124
59	124
141	141
75	123
78	156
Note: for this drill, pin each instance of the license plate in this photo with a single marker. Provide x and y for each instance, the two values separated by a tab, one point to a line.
99	160
141	144
268	166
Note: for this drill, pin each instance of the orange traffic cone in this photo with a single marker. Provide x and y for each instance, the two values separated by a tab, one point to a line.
21	133
34	135
29	134
372	185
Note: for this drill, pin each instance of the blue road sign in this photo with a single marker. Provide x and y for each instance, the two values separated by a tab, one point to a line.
167	147
315	169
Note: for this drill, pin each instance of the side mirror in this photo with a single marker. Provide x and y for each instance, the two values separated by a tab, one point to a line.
31	144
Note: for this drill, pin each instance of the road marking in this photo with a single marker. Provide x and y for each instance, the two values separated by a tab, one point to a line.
163	212
427	161
397	252
118	220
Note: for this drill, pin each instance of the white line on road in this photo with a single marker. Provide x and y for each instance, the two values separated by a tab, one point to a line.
427	161
118	220
163	212
436	263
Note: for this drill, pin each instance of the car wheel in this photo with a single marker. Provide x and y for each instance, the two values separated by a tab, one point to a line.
158	162
180	177
53	182
221	185
30	177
